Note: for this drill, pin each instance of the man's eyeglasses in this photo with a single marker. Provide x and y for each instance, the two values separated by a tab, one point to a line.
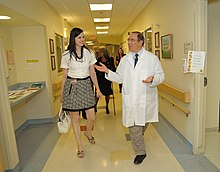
132	40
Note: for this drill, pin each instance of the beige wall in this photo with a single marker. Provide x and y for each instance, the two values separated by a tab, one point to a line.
176	17
31	42
5	33
213	88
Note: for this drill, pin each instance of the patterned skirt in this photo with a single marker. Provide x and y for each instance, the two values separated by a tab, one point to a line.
78	96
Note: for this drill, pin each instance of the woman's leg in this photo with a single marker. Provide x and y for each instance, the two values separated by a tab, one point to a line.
76	128
90	122
107	101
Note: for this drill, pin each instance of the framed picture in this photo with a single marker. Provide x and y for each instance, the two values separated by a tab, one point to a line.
157	53
53	63
157	39
10	58
167	46
51	46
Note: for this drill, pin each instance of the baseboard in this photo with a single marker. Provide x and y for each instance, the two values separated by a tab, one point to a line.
33	122
16	169
189	145
211	129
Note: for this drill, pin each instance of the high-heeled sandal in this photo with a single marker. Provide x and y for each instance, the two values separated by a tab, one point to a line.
80	154
91	140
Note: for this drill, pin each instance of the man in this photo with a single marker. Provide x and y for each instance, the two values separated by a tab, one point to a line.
139	72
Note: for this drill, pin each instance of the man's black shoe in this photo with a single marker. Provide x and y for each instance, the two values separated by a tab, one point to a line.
139	159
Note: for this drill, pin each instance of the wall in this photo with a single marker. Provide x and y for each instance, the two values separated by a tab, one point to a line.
29	44
34	47
41	12
176	17
5	33
213	91
7	136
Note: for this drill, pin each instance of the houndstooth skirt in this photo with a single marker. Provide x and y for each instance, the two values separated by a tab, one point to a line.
79	96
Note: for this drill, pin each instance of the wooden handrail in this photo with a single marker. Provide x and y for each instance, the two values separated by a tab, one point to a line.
57	89
177	93
187	112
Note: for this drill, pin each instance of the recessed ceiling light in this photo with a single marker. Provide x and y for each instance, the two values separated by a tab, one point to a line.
5	17
102	27
100	7
101	19
88	42
105	32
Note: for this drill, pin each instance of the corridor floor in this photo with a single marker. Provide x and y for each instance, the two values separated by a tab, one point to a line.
113	151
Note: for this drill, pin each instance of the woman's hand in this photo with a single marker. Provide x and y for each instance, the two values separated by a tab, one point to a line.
101	68
74	81
98	94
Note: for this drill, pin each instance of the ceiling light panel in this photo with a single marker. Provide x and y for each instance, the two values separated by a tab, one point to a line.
100	33
5	17
97	20
100	7
102	27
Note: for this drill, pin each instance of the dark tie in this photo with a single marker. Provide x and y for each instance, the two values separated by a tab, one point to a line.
135	59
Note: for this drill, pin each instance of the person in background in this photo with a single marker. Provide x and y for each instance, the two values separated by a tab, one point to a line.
118	59
77	89
139	72
104	84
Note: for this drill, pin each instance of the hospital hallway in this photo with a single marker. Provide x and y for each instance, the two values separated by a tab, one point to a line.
42	148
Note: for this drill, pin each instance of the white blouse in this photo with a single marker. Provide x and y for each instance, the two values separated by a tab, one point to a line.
79	68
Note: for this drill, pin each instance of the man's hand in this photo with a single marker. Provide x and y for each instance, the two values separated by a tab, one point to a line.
101	68
148	80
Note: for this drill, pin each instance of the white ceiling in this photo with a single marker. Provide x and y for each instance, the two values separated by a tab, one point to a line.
78	14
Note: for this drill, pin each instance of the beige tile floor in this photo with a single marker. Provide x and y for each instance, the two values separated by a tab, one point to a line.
112	152
212	147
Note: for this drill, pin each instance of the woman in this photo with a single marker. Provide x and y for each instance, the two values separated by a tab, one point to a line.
104	84
77	89
118	58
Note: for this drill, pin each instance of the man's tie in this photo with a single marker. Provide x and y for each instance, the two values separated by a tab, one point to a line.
135	59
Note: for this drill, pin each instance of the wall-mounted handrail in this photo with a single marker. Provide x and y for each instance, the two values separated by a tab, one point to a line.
177	93
57	89
187	112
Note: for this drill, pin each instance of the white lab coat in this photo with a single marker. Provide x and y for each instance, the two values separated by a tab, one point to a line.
139	100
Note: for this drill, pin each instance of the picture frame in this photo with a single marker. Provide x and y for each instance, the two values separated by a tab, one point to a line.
157	53
51	43
167	46
9	56
53	63
157	39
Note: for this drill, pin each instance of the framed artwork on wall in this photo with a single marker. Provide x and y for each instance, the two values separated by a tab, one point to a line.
167	46
10	58
157	39
53	63
157	53
51	46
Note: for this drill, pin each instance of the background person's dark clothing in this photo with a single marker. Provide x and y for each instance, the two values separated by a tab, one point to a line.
105	85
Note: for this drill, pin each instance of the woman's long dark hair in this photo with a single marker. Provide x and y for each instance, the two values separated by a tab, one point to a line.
72	45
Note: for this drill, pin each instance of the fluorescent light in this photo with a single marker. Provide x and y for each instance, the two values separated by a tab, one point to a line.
96	20
88	42
149	30
5	17
102	27
105	32
100	7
